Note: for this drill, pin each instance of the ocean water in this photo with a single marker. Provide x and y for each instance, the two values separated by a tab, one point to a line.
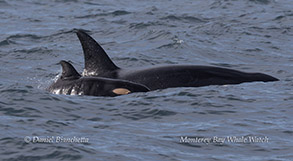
250	121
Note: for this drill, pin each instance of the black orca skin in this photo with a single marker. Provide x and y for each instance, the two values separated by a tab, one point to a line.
72	83
98	63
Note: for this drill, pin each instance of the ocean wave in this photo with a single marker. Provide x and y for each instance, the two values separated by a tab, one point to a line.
113	14
145	113
261	1
184	18
143	25
3	4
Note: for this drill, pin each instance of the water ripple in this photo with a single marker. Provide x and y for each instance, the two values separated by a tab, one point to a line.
184	18
114	14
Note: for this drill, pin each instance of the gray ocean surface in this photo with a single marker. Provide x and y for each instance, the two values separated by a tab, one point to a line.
170	124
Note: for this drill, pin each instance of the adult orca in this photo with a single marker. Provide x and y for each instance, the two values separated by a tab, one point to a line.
97	63
72	83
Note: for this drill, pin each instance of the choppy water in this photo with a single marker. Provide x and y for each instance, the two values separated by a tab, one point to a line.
248	35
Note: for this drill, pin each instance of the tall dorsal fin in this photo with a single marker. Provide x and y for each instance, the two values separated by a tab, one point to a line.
68	71
96	61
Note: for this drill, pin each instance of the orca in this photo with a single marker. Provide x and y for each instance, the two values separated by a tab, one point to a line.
72	83
98	63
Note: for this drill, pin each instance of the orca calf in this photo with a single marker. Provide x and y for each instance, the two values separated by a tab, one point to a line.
71	83
97	63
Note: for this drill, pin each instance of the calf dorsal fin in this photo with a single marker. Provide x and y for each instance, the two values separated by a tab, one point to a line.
68	71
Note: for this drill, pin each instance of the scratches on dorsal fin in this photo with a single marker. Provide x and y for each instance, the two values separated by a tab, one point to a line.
68	71
96	60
